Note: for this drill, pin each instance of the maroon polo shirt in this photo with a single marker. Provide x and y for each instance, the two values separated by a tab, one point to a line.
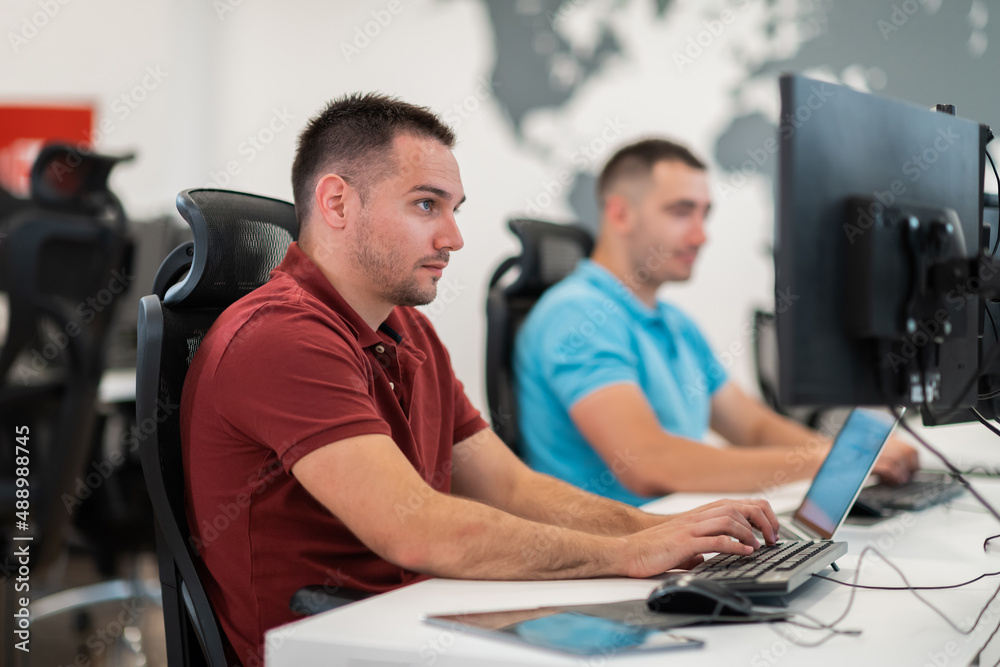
286	370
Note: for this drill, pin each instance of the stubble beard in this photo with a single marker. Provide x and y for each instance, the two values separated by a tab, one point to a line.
383	267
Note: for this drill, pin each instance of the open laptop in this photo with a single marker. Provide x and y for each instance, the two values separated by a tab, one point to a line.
839	480
805	545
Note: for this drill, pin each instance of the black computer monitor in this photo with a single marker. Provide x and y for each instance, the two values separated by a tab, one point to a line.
988	403
879	213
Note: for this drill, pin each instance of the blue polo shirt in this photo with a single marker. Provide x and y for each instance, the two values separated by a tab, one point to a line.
589	332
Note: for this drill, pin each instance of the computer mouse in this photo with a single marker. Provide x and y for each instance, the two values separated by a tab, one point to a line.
687	594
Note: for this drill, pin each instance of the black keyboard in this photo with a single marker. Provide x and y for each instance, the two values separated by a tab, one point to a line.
771	570
919	494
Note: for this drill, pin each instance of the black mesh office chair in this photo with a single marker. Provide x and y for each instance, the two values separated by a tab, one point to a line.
63	260
238	239
549	252
765	358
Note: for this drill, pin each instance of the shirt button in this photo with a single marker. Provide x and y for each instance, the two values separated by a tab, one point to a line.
392	386
380	348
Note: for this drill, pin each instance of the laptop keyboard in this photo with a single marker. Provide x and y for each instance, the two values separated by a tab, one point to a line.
774	569
911	496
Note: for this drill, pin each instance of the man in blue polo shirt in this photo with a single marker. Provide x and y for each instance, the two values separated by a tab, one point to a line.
617	389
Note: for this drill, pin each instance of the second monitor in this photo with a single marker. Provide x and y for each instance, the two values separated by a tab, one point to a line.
879	213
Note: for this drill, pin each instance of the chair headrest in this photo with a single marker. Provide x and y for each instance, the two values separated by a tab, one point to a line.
71	178
238	239
549	253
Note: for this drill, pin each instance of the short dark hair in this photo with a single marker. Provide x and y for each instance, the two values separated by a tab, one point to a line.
637	160
353	134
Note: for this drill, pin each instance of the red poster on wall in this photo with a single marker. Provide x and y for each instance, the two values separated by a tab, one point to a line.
25	129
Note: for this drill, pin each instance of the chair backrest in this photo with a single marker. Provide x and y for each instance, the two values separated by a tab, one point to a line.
63	264
238	239
765	357
549	252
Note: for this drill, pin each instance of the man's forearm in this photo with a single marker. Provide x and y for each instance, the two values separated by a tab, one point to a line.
473	540
558	503
485	470
683	466
779	431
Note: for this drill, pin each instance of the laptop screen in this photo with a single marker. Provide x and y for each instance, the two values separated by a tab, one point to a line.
844	471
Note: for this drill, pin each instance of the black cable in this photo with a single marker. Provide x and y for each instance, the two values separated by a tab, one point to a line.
854	585
982	420
829	627
986	472
989	314
832	632
912	588
993	353
975	659
946	415
817	625
997	241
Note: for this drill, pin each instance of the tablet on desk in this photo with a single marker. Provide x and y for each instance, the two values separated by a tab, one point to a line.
566	632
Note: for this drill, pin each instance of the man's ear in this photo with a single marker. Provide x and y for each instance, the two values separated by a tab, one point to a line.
618	214
331	200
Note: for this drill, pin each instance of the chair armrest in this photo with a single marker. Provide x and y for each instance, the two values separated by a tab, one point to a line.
310	600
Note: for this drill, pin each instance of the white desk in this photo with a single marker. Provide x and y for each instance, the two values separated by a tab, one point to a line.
939	546
117	386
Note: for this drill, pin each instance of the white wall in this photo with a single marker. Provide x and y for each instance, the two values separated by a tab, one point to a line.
232	71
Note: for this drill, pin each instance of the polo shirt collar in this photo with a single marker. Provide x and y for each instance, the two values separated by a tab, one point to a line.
609	284
308	276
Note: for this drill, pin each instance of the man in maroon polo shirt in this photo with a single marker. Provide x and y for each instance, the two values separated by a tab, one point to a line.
326	438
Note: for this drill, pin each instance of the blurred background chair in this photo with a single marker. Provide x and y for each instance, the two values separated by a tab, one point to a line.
238	239
65	261
765	358
549	252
